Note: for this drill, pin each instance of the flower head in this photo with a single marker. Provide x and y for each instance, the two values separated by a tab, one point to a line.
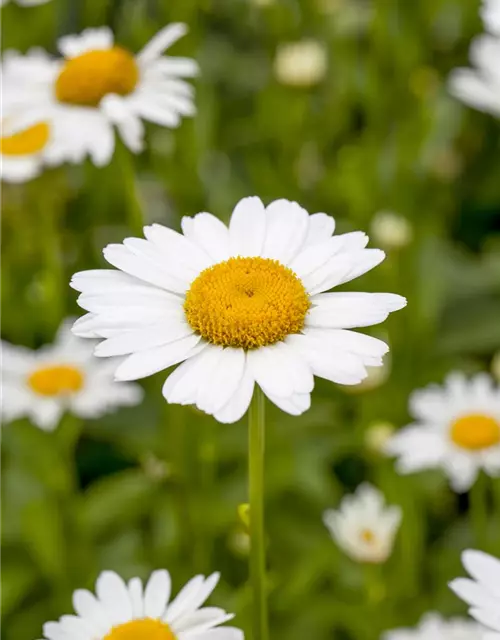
301	64
457	429
98	85
434	627
364	527
237	306
129	611
63	376
482	593
390	230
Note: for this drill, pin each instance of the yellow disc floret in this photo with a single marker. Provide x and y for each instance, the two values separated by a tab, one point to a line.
87	78
476	431
146	629
56	380
247	303
26	142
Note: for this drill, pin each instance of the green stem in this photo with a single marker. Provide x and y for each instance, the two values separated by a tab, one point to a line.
256	433
478	509
135	213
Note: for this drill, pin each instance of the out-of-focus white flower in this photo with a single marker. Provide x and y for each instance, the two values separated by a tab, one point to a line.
99	85
483	592
434	627
377	435
495	366
237	306
480	87
364	527
63	376
391	231
23	3
457	429
301	64
123	611
490	13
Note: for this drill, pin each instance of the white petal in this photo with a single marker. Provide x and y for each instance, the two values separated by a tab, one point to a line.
321	227
128	124
279	370
347	309
178	248
157	594
484	568
222	633
192	596
223	381
161	41
209	233
295	404
313	257
247	227
183	384
72	46
238	404
287	227
135	590
471	87
114	596
178	67
87	606
201	620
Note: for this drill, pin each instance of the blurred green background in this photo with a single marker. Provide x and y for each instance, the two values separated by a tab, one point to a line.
158	485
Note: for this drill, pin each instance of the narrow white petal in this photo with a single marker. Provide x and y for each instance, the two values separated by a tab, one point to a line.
161	41
287	227
347	310
114	596
238	405
183	384
247	227
223	381
209	233
157	594
321	227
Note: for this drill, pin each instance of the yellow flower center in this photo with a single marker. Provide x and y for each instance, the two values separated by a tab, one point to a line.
146	629
86	79
246	302
475	431
56	380
25	142
367	536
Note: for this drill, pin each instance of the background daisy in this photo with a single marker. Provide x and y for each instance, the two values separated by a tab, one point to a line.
63	376
457	429
121	610
363	526
434	627
241	306
482	593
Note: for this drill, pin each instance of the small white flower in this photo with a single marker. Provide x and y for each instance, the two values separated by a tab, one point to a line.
301	64
58	377
24	3
483	592
490	12
434	627
237	306
390	230
364	527
457	429
480	87
126	611
99	84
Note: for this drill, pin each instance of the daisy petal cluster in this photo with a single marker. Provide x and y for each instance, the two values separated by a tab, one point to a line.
63	376
364	527
122	611
457	429
96	87
237	306
434	627
482	593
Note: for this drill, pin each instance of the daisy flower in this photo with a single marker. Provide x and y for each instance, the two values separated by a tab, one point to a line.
479	87
237	306
364	527
483	592
457	429
490	13
434	627
125	611
63	376
99	84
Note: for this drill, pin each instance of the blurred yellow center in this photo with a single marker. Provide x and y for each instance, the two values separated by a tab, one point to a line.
476	431
57	380
367	536
86	79
25	142
247	303
147	629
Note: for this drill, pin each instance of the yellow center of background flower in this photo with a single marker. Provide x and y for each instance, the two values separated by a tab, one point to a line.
147	629
26	142
367	536
475	431
247	303
86	79
57	380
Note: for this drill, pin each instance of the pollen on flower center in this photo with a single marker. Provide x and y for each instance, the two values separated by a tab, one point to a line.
367	536
87	78
27	141
56	380
146	629
476	431
247	303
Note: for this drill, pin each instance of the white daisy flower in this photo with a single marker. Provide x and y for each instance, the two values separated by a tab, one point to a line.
480	87
240	305
364	527
126	611
490	13
63	376
434	627
99	84
302	63
457	429
23	3
483	592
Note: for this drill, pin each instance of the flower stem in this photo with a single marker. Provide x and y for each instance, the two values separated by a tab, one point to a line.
135	214
256	433
478	508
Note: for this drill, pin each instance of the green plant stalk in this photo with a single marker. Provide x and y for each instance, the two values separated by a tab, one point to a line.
478	509
135	214
256	434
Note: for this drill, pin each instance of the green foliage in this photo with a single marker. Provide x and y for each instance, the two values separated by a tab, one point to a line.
159	486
